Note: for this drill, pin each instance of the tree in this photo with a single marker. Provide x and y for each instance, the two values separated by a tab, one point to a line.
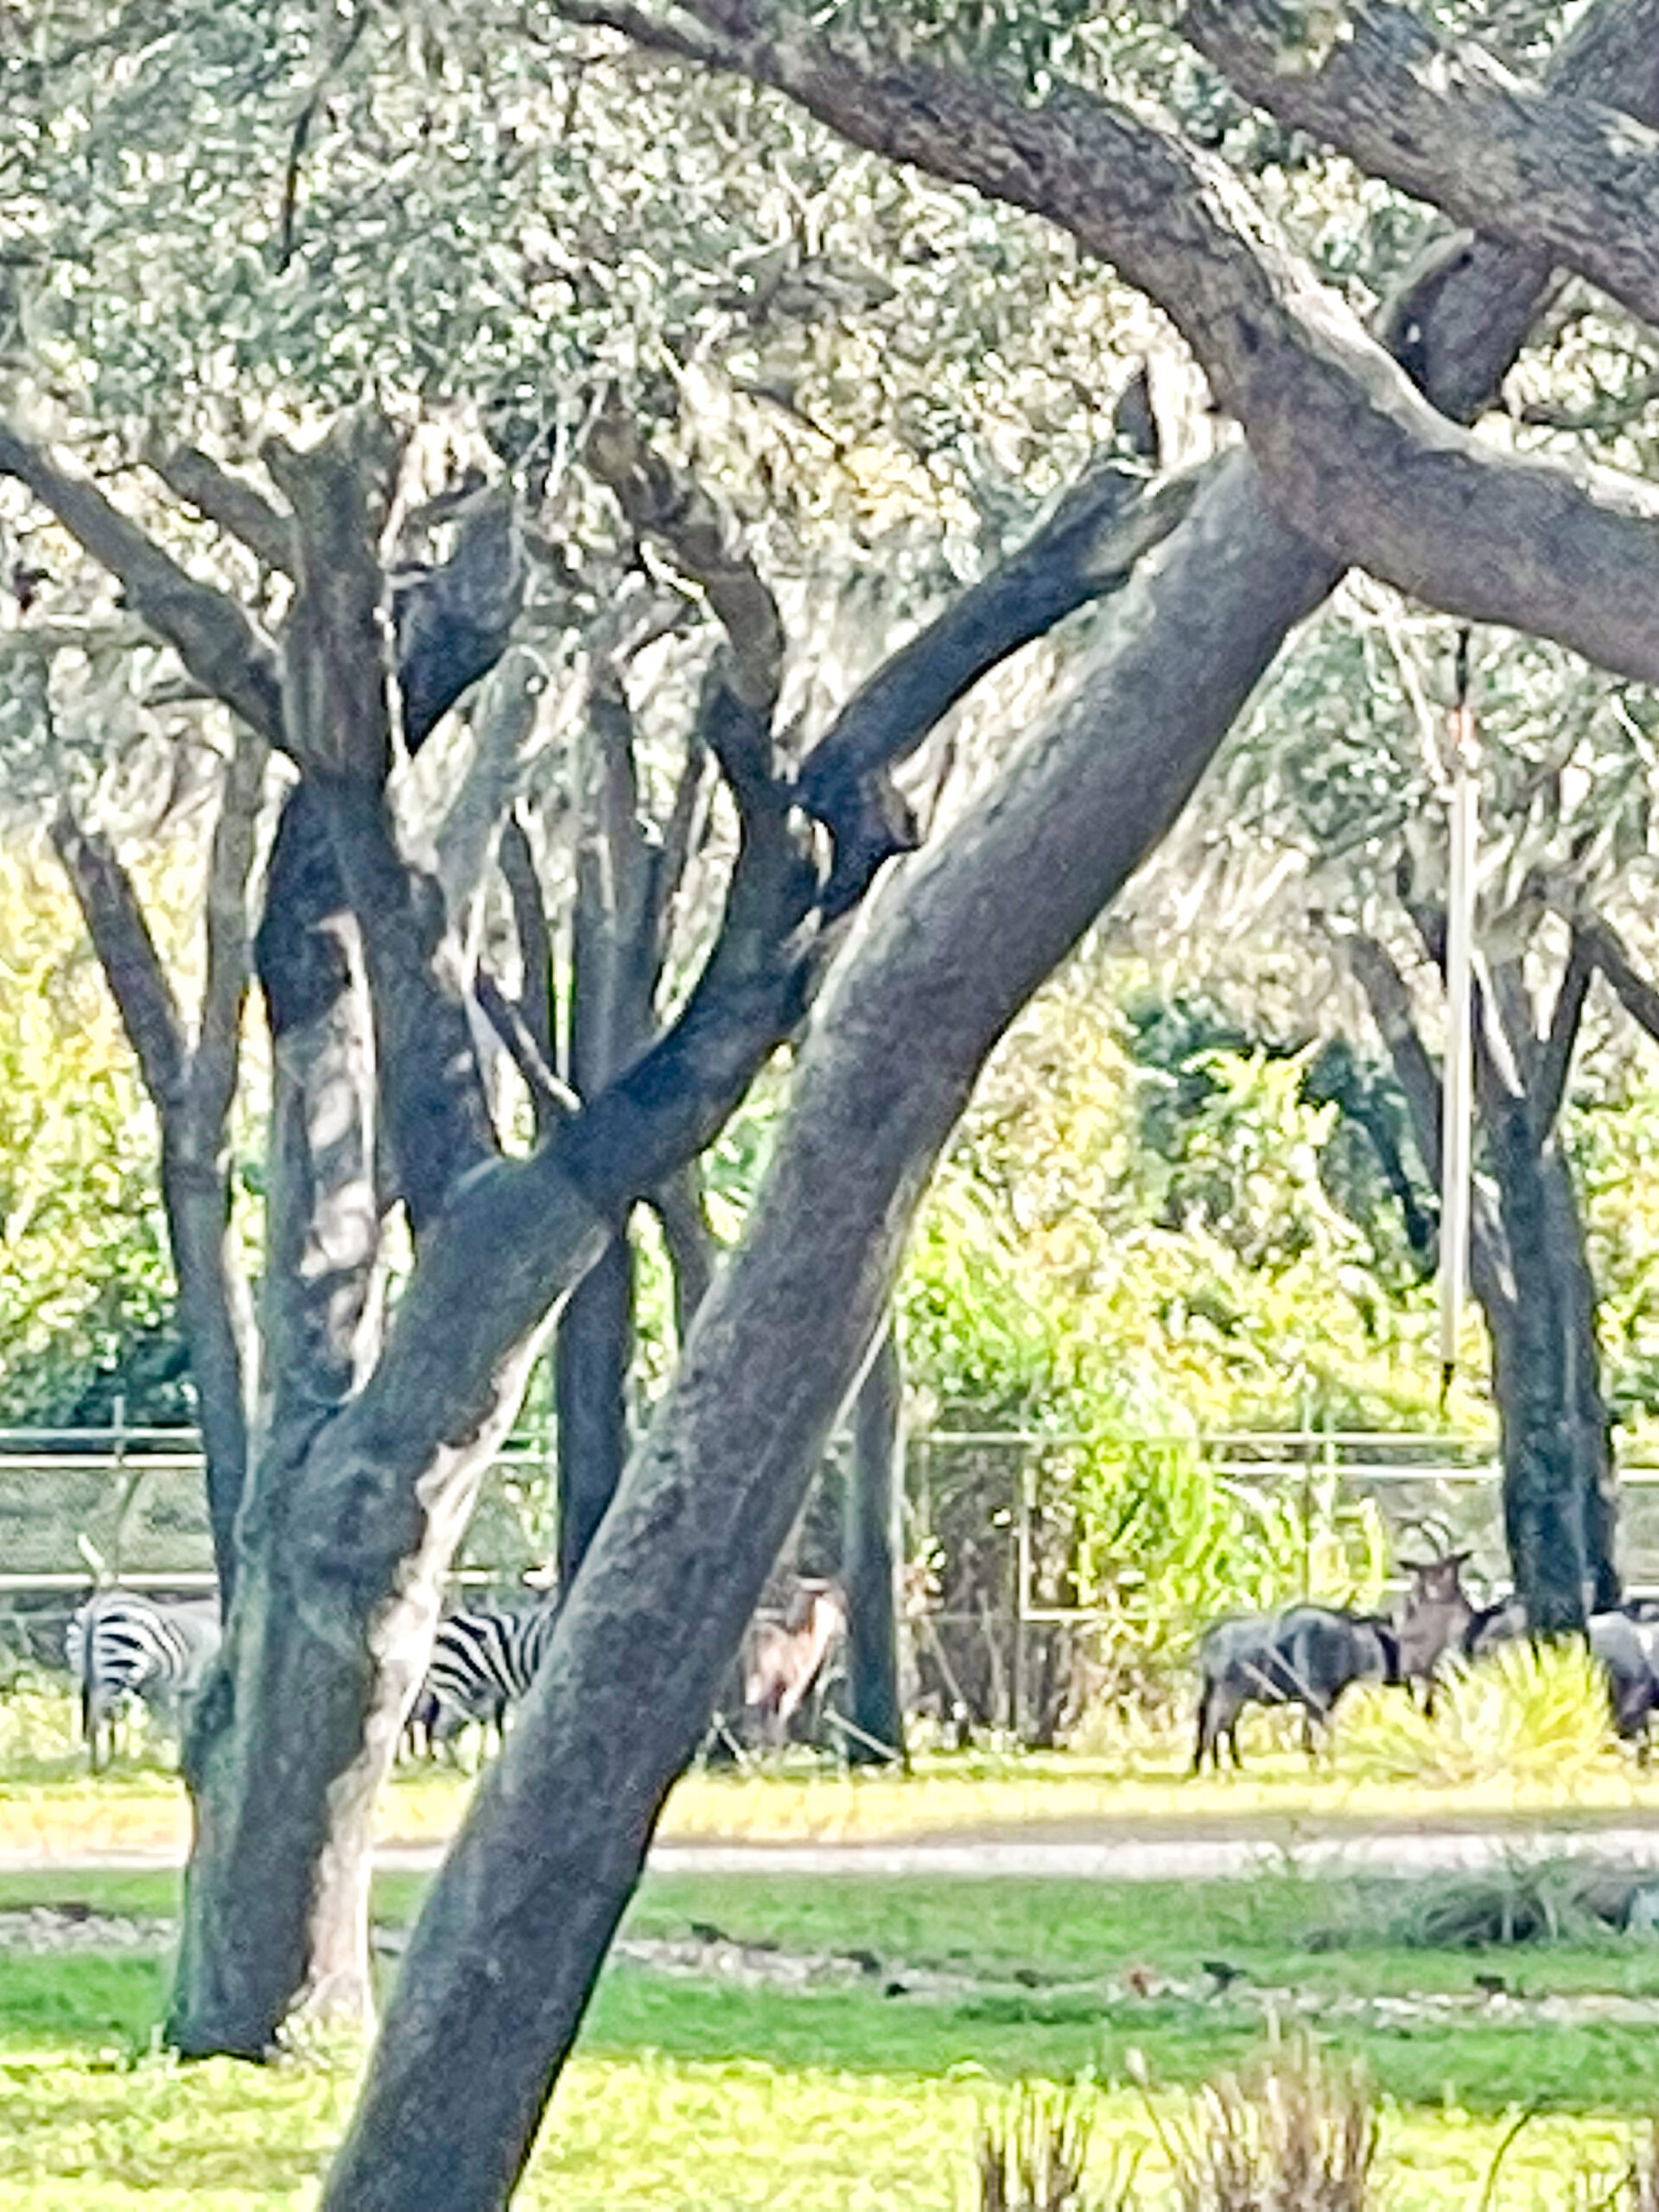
514	1930
380	1096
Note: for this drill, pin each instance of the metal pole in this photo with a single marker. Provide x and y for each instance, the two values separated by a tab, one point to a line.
1458	1110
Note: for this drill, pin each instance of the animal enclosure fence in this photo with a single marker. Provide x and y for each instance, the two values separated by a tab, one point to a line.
1029	1581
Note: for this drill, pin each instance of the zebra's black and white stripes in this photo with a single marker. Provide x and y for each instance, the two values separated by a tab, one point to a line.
484	1659
121	1645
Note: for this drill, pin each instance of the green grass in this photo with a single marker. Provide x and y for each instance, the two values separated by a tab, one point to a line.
693	2092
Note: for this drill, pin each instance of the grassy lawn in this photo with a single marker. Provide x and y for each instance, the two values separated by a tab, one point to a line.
693	2090
50	1806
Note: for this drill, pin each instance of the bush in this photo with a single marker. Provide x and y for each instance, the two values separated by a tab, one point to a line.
1528	1713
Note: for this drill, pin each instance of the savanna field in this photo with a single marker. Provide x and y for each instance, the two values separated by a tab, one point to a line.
780	2039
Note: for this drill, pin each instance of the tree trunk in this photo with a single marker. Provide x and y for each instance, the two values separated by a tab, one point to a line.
1544	1491
1591	1426
592	1358
216	1315
612	980
517	1927
874	1560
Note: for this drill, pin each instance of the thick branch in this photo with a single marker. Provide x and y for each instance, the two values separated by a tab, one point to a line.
339	726
229	937
1555	176
1086	550
206	628
1353	454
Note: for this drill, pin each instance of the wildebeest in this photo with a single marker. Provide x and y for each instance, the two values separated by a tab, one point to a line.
1308	1654
1625	1643
786	1657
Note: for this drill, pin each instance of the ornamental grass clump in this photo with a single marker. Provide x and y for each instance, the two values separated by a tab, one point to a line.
1529	1714
1298	2134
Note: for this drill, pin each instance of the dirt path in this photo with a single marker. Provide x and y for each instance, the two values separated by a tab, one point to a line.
1107	1856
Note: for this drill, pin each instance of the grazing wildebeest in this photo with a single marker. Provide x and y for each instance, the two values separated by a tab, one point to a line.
786	1657
1305	1655
1308	1654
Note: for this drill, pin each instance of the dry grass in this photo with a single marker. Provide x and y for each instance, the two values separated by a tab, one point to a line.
1298	2135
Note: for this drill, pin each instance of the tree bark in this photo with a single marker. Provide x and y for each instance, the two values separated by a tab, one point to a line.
1449	123
1591	1422
874	1559
1350	452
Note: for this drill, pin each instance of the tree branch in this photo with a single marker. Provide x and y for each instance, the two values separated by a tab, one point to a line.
216	1055
554	1102
205	627
1554	174
1085	550
1638	997
1388	996
239	507
138	979
1553	1062
704	541
339	726
1351	454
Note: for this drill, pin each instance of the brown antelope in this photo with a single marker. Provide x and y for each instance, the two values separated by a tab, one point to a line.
786	1657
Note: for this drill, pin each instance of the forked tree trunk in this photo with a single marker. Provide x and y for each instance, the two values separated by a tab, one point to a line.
515	1927
874	1560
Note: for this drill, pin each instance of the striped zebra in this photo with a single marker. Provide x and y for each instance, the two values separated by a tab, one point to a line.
121	1646
484	1659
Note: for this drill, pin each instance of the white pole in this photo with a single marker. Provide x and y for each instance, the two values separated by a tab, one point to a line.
1457	1101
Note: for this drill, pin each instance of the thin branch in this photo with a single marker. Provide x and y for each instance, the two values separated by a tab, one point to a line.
1554	1059
705	541
554	1102
1388	996
138	979
536	1000
239	508
205	627
1638	997
686	817
336	61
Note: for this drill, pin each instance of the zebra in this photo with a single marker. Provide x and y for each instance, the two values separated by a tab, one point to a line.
484	1659
121	1645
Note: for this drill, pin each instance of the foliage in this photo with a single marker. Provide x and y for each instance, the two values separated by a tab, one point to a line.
84	1276
1525	1713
